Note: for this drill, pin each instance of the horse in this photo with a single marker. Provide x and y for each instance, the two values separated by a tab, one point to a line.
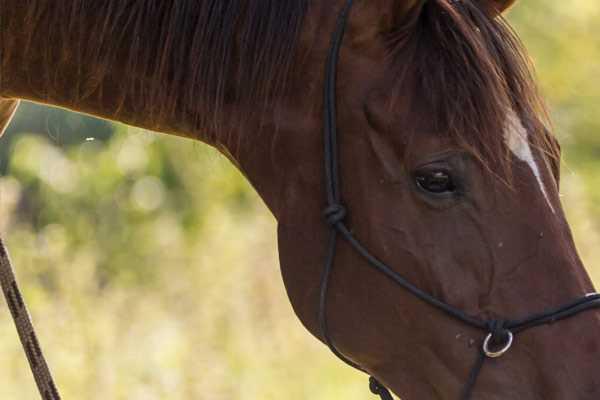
447	167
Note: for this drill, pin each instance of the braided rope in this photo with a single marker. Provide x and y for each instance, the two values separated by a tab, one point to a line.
20	314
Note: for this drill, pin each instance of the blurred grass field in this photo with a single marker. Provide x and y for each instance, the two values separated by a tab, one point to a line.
150	266
151	271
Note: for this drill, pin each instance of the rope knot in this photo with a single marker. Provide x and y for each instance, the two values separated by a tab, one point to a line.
379	390
334	214
499	333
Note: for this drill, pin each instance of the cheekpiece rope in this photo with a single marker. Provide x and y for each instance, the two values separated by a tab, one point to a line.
500	333
20	314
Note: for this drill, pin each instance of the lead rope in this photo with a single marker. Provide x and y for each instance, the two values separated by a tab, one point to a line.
500	333
22	320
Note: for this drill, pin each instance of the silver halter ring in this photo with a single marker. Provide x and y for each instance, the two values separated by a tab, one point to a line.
502	351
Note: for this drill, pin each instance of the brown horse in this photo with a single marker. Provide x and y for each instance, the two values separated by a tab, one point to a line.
446	163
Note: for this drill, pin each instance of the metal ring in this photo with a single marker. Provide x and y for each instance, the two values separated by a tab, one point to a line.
502	351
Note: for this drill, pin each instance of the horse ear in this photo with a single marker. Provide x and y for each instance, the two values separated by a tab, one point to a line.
496	7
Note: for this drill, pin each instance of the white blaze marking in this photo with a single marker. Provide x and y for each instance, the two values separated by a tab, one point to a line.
516	138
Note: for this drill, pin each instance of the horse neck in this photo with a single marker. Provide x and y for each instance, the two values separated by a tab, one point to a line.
87	66
55	73
131	62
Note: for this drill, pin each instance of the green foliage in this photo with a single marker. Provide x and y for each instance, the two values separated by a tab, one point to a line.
151	266
133	192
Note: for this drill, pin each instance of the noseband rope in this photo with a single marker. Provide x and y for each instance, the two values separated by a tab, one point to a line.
500	333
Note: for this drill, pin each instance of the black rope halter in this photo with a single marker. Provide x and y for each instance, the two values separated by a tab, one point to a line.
500	333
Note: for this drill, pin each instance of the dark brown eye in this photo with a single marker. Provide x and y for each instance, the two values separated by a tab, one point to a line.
435	181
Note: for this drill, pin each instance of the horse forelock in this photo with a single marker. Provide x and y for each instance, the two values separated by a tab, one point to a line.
467	71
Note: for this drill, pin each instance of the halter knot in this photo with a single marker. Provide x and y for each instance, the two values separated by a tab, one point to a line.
499	333
378	389
334	214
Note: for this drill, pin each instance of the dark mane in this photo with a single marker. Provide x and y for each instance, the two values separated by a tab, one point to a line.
193	57
224	50
468	71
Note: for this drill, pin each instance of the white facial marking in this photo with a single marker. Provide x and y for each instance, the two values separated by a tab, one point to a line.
516	138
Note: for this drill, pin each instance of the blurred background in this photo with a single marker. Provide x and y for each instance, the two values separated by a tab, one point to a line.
150	265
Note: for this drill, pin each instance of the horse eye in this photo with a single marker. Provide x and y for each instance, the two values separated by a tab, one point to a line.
435	181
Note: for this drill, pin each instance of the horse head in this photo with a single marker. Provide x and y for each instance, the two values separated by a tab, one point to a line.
451	177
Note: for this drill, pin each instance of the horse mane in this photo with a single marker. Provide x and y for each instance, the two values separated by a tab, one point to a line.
189	57
194	57
469	71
